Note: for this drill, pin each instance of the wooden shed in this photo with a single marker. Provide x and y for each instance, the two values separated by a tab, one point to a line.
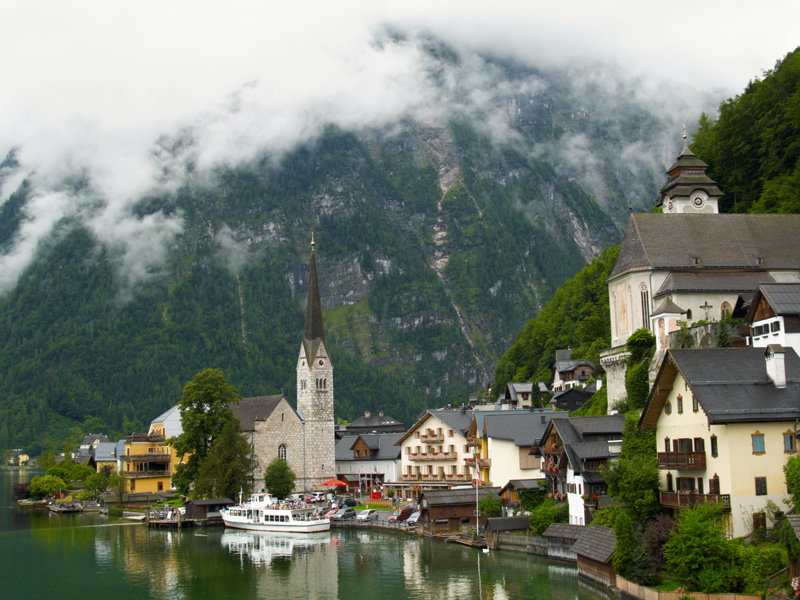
504	525
561	537
446	511
206	509
594	550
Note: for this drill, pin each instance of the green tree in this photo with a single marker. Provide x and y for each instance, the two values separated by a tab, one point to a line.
205	409
118	481
279	478
633	478
640	344
626	545
490	506
791	471
95	484
698	553
45	485
229	465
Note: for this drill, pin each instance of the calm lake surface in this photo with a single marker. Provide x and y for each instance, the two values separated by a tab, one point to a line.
66	557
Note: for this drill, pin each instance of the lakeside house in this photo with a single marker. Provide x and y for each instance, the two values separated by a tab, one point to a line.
725	424
447	511
368	460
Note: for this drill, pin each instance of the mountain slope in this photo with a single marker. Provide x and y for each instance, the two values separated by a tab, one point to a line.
437	239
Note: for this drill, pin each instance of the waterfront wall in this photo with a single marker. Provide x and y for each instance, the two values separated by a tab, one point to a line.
522	543
628	589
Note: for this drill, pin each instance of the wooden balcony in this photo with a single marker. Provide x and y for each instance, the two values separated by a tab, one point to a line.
685	499
432	438
682	461
485	463
474	442
147	474
429	456
148	457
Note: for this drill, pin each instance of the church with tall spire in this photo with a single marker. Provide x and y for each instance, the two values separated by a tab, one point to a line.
315	388
303	437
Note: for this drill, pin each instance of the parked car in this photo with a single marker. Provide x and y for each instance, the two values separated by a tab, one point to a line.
350	502
331	512
316	496
414	518
368	515
343	514
401	514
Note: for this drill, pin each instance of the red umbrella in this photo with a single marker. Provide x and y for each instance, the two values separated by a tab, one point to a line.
335	482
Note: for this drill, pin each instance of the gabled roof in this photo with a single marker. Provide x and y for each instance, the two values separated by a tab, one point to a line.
573	432
523	427
105	452
384	445
171	419
668	307
596	543
459	496
783	299
697	242
250	410
508	524
523	484
457	419
378	420
564	530
713	282
730	384
513	389
92	438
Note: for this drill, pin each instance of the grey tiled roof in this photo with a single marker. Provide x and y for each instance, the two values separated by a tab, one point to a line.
668	306
508	524
374	421
171	419
250	410
92	438
522	484
784	298
524	427
455	419
597	543
667	242
105	452
712	282
730	384
384	443
564	530
459	496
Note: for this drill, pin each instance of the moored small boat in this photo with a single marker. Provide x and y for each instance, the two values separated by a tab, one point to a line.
262	512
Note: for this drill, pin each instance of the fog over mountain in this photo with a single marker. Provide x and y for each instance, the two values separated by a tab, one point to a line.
161	171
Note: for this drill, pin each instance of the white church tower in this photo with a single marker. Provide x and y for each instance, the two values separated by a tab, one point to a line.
315	392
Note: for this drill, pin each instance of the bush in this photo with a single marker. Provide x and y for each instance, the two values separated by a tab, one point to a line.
758	563
637	385
656	532
698	553
548	512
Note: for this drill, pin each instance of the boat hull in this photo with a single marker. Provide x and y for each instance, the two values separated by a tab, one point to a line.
293	527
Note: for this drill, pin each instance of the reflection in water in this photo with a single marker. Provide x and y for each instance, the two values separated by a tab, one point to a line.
299	565
262	547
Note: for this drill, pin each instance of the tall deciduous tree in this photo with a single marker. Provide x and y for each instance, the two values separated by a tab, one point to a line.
228	467
205	409
279	478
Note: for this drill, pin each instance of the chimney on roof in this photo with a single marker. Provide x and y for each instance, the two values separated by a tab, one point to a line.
774	356
366	413
380	413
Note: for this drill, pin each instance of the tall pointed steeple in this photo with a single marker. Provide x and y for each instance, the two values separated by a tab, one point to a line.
314	327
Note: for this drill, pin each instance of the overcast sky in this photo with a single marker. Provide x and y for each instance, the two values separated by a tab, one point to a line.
90	86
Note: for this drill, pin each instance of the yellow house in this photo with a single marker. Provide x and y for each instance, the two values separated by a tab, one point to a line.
725	426
149	461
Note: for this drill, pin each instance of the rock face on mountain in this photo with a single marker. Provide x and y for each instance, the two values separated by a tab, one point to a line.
437	239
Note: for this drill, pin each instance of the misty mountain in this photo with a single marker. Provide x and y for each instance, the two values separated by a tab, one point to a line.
440	232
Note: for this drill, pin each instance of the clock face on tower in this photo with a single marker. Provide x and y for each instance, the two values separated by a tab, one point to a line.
321	363
698	200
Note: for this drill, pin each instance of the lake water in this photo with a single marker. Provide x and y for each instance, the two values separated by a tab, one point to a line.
66	557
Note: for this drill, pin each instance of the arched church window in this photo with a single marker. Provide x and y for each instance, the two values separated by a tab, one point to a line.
725	310
282	452
689	314
645	299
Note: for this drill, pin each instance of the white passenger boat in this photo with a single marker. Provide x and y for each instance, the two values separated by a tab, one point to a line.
262	512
